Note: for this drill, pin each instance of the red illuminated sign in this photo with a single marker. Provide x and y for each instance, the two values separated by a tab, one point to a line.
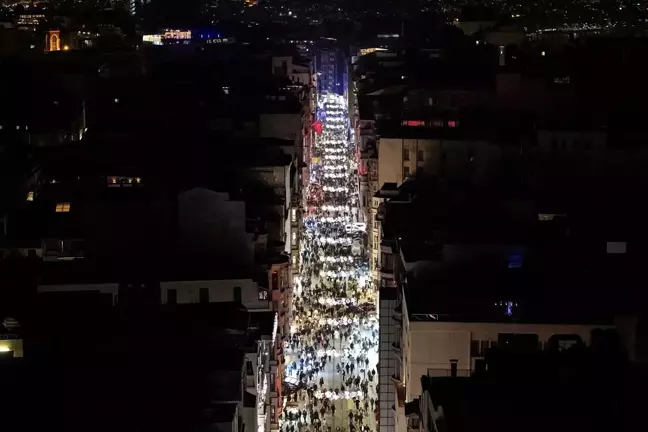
413	123
318	127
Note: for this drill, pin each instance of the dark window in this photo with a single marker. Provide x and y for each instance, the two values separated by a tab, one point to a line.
172	296
524	341
474	348
204	295
406	172
237	294
453	367
421	155
249	369
406	155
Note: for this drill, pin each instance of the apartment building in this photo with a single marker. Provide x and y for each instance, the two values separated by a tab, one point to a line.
456	282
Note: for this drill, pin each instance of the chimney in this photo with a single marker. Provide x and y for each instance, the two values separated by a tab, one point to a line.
453	368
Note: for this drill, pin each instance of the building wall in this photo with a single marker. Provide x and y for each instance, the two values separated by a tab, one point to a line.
225	426
219	291
303	78
104	288
431	345
282	65
208	222
249	417
453	159
284	126
387	362
278	177
390	161
398	158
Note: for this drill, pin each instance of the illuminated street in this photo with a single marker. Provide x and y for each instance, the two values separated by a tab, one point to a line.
332	353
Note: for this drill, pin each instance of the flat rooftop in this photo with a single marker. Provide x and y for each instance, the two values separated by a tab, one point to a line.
491	288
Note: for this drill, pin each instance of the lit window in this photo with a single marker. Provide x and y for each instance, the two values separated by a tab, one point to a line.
30	196
294	215
294	260
406	172
263	295
63	207
294	239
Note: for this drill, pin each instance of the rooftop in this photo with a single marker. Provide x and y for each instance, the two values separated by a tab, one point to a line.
160	269
519	398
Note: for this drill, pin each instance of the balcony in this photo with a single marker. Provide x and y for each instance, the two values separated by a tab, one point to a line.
398	317
367	131
386	272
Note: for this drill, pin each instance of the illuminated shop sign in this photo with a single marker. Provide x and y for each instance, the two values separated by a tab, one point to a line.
177	34
413	123
221	41
365	51
154	39
275	329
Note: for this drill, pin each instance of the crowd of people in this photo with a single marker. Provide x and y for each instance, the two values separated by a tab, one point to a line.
332	351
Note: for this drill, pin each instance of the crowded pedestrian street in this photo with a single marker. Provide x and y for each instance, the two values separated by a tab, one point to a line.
332	353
